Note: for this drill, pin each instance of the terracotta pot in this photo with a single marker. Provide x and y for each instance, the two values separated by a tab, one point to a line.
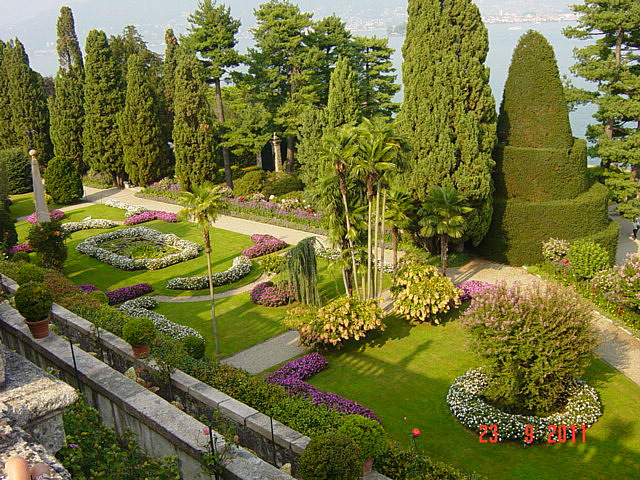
39	329
140	351
366	468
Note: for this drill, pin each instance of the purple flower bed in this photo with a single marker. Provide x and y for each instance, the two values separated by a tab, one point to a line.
87	288
21	247
120	295
54	214
472	288
292	374
265	244
271	295
151	215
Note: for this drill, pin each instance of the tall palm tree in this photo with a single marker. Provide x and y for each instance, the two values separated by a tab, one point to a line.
442	214
400	209
202	207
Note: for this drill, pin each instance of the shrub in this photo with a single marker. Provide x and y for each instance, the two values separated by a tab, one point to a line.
555	250
472	288
252	182
536	339
33	301
421	292
62	181
279	183
21	248
621	284
329	457
342	319
194	346
100	296
47	240
139	331
8	234
16	164
367	433
29	273
272	263
21	257
97	179
586	258
264	244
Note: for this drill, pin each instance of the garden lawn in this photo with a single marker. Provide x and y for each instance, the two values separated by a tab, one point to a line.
22	205
404	373
241	323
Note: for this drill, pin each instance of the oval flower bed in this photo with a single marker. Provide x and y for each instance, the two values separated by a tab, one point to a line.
240	268
92	247
467	405
264	244
70	227
151	215
53	214
273	295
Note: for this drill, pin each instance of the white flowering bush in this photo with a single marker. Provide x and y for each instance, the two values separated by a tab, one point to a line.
70	227
240	268
130	210
465	398
142	306
185	250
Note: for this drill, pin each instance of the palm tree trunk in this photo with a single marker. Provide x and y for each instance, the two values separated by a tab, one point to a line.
381	256
444	246
207	251
369	252
395	235
376	246
343	191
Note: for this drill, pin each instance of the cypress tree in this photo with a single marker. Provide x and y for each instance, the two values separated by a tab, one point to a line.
192	136
7	134
28	101
145	151
534	111
63	181
342	106
448	111
67	107
103	100
168	74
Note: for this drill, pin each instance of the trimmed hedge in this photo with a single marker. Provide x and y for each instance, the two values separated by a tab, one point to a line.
16	164
518	228
540	174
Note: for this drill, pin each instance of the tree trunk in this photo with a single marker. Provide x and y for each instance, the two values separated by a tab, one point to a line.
395	234
259	159
207	251
444	246
291	140
369	252
226	155
381	256
343	191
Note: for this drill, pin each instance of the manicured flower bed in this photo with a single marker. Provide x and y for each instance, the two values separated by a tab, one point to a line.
265	208
264	244
54	214
467	405
292	374
240	268
186	250
151	215
142	306
273	295
130	210
120	295
21	247
70	227
471	288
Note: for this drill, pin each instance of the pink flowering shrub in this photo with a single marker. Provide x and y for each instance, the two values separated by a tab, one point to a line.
151	215
273	295
621	284
21	247
472	288
536	339
264	244
55	215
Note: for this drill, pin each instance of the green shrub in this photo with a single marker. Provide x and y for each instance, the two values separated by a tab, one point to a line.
294	195
586	258
421	293
97	179
21	257
8	234
194	346
100	297
62	181
367	433
272	263
16	164
139	331
536	339
29	273
103	316
33	301
329	457
47	240
252	182
280	183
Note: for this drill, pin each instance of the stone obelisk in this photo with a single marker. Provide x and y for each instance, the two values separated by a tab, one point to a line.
42	212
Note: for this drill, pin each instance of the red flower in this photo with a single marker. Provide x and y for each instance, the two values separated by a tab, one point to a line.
206	430
415	432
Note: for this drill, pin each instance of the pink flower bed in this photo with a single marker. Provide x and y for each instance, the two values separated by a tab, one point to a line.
151	215
265	244
54	214
120	295
272	295
21	247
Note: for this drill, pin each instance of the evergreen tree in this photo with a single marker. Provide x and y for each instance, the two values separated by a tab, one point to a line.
448	110
146	153
103	101
192	136
168	74
313	124
213	35
7	134
63	181
130	42
28	101
67	112
342	106
611	62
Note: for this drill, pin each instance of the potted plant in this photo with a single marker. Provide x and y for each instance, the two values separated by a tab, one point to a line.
33	301
139	333
368	435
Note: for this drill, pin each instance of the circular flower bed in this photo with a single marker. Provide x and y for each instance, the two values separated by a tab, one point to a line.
467	405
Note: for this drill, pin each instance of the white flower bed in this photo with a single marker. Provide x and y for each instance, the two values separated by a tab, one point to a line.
464	399
142	306
71	227
130	210
91	247
240	268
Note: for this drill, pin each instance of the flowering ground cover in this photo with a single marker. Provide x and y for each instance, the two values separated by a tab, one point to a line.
404	375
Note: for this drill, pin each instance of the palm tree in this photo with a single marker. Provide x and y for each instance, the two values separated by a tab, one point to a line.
202	207
442	214
398	216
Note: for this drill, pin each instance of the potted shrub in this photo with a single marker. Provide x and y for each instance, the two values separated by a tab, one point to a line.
33	301
368	434
139	333
330	456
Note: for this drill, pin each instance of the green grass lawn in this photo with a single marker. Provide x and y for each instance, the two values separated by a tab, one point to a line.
22	205
404	373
